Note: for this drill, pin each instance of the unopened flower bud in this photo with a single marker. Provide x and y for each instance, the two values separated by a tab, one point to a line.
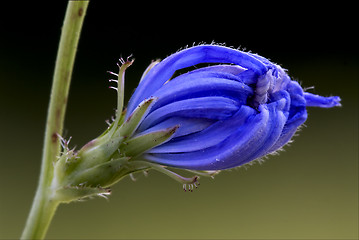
222	116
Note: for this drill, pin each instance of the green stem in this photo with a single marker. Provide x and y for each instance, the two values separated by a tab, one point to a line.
44	206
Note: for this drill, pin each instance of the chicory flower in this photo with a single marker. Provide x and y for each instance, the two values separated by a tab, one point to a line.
239	109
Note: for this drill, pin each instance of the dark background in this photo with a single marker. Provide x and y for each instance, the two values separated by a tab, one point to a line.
308	191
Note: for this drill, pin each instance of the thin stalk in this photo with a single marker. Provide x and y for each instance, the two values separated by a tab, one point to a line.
44	207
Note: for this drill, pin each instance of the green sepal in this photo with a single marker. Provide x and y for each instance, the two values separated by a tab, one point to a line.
68	194
120	92
66	164
112	125
140	144
94	181
98	151
154	63
104	174
130	125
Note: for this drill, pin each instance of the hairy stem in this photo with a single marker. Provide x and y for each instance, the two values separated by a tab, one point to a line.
44	207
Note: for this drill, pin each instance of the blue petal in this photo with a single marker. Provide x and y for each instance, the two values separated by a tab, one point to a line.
297	105
262	141
204	107
297	113
202	84
163	71
229	72
223	68
252	140
209	137
186	125
313	100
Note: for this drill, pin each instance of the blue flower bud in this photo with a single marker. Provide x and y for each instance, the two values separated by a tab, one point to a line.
239	109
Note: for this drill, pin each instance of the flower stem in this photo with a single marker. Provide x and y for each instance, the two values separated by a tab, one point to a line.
44	206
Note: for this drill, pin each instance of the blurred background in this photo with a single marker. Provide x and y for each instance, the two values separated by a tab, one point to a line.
309	191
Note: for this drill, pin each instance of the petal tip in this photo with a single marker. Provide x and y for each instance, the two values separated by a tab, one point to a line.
313	100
